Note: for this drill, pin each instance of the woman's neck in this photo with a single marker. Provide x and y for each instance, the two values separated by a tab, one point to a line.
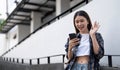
84	32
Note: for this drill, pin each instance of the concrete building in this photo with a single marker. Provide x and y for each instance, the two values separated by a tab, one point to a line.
39	28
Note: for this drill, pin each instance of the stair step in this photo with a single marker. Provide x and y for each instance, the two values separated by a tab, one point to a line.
109	68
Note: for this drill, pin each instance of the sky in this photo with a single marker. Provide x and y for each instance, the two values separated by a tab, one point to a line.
11	6
3	9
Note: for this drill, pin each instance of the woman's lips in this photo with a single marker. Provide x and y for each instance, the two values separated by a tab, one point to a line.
81	27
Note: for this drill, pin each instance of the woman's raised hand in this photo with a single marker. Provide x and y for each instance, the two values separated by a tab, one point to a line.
94	28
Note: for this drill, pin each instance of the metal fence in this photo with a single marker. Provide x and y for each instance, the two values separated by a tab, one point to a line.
48	58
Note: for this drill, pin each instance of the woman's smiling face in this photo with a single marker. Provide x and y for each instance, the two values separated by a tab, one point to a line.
81	24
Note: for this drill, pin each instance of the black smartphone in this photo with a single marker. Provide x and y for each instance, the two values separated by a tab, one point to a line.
72	35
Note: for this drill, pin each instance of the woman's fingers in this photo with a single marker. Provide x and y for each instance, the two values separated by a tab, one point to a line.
74	42
96	24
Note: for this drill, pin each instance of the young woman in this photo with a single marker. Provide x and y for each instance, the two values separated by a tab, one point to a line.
90	50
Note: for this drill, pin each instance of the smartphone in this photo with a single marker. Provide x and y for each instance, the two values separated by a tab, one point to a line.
72	35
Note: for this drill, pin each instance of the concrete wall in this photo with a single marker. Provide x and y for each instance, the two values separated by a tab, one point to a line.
2	43
24	30
51	39
10	40
16	34
36	20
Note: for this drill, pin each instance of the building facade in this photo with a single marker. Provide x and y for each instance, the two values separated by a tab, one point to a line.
39	28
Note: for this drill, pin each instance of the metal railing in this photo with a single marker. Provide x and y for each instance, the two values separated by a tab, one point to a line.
110	60
30	61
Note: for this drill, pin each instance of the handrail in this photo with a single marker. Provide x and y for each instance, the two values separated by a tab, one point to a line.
30	60
110	59
49	57
49	22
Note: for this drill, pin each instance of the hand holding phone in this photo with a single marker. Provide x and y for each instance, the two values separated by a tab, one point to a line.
73	35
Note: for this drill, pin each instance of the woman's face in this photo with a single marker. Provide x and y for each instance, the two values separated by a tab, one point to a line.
81	24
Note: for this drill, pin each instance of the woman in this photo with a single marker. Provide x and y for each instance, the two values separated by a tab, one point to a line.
90	50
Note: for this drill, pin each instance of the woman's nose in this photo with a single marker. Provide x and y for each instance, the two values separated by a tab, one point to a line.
79	23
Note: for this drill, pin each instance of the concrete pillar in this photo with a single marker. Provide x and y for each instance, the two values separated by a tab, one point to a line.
23	31
36	20
61	6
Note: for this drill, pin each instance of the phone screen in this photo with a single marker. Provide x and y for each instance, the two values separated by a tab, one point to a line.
72	35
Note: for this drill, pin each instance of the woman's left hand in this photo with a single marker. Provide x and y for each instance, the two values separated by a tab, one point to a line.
94	28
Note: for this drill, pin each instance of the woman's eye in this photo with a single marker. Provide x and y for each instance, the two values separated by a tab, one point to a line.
77	21
81	20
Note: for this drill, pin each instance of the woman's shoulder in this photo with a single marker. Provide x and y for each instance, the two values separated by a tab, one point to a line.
97	33
99	36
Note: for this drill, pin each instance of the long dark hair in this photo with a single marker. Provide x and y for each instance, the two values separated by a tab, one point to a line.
84	14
